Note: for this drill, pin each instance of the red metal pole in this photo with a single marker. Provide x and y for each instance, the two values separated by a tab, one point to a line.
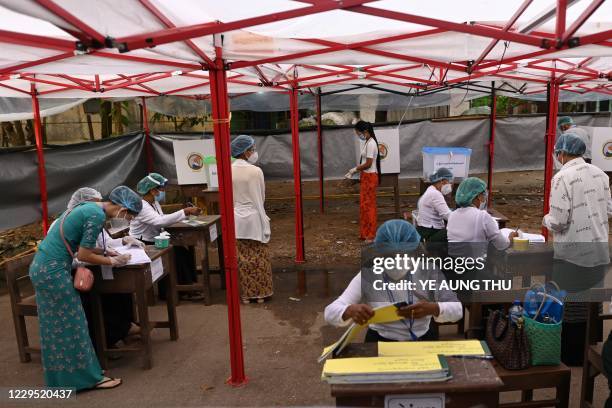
551	130
220	111
320	151
493	118
42	176
297	176
147	132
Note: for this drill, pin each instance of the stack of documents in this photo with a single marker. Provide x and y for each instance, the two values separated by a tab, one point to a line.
373	370
531	237
453	348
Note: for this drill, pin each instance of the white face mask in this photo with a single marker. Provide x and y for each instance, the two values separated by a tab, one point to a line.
446	189
396	274
253	158
483	204
118	222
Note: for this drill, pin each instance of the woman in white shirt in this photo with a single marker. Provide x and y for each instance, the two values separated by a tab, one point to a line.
357	305
433	211
252	222
471	224
149	223
369	176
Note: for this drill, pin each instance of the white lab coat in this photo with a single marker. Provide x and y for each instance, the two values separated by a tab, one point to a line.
249	195
148	224
433	210
472	225
578	217
451	309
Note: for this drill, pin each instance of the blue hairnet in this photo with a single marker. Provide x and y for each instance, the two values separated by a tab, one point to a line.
148	183
398	233
83	195
125	197
565	120
241	144
468	190
570	143
441	174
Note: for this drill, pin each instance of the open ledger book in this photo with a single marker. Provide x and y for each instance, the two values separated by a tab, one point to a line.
383	314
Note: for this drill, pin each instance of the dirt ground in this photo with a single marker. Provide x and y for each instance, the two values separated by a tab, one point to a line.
282	338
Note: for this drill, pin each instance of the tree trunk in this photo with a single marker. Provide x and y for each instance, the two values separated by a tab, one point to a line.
20	136
117	118
30	132
106	118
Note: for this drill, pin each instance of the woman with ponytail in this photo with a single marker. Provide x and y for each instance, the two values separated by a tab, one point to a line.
369	174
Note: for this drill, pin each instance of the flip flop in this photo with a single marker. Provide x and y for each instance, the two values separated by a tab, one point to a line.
108	383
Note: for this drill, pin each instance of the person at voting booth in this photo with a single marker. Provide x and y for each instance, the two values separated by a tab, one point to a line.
369	176
68	357
358	301
152	220
433	211
252	222
578	219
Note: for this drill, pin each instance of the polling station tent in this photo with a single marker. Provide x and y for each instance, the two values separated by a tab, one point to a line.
210	49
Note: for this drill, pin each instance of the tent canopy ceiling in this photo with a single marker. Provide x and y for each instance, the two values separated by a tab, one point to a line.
112	48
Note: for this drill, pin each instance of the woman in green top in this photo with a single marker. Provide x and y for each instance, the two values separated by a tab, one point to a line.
68	357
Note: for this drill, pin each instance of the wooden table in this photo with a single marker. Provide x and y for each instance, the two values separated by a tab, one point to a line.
182	234
392	180
474	383
136	280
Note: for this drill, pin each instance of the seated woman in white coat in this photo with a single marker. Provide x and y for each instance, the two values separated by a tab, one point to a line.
433	211
252	223
358	306
149	223
471	224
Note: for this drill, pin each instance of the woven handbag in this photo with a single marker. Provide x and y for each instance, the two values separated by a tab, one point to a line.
508	342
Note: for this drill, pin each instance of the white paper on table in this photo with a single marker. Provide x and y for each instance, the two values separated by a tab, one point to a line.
139	256
107	272
213	232
531	237
157	269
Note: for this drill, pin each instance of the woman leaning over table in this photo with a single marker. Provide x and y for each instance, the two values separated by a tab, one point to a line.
149	224
252	223
68	357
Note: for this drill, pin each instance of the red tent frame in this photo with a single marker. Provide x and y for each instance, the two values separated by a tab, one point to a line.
93	43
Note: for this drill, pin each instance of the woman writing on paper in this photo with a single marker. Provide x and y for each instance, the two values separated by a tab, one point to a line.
358	301
369	176
150	222
252	222
68	357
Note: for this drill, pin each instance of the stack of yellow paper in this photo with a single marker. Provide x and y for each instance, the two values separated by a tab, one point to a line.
417	368
453	348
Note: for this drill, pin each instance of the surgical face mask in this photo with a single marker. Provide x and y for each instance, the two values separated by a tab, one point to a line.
446	189
161	196
253	158
118	222
361	136
483	204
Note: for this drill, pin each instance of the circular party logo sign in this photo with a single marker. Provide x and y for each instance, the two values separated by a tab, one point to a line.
195	161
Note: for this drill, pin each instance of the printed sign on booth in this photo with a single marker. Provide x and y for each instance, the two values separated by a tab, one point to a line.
195	162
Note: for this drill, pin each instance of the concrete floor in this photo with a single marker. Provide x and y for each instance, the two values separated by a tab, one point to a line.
282	340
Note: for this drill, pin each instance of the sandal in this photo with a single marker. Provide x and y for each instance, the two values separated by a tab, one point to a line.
108	383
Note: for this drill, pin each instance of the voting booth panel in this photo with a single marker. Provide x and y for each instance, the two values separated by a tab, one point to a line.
388	150
601	147
195	162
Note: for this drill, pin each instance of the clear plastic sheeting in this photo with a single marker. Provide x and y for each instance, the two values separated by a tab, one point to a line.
21	108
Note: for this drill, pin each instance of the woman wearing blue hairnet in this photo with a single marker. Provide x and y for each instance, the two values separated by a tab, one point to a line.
68	358
360	298
470	223
252	222
149	224
433	211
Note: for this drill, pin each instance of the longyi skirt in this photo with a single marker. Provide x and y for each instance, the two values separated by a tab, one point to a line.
254	269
